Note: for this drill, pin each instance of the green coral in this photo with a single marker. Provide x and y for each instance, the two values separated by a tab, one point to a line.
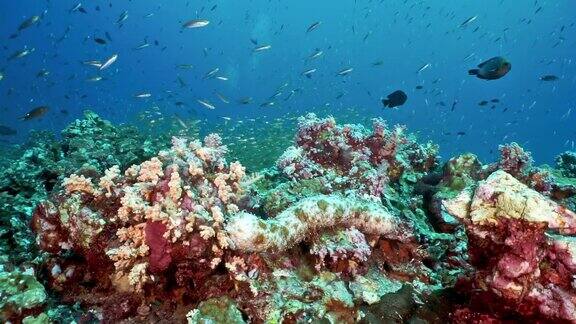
325	296
220	310
19	291
461	172
42	318
285	194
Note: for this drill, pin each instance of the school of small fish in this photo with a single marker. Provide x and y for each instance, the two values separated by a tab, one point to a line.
208	85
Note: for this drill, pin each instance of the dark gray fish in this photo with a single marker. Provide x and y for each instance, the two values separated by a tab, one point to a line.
549	77
493	69
35	113
245	101
395	99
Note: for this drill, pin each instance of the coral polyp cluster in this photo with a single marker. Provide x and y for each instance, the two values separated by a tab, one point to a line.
350	225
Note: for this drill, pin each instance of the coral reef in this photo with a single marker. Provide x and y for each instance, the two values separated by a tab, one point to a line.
350	159
350	225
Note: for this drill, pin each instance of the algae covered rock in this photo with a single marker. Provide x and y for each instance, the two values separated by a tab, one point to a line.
42	318
19	291
216	311
501	195
95	142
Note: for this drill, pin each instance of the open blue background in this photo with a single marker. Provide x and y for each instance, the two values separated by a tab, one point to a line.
538	37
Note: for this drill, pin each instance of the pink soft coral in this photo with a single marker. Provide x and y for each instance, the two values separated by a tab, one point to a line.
353	157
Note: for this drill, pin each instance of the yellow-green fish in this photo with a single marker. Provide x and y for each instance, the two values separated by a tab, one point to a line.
493	69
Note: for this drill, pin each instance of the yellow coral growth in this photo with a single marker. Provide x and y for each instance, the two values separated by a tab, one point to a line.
150	170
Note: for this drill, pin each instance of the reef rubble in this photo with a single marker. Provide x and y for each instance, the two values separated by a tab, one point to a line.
350	225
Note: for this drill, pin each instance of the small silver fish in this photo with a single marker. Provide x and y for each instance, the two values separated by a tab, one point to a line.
122	18
345	71
308	73
109	62
95	63
76	7
469	56
313	26
211	73
222	98
316	54
196	23
262	48
423	67
28	22
185	66
21	54
94	79
468	21
143	95
268	104
43	73
206	104
142	46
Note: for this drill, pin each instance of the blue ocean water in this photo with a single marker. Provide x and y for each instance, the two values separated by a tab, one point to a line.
384	42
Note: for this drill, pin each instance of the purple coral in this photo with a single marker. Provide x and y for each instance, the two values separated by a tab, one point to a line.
514	160
352	157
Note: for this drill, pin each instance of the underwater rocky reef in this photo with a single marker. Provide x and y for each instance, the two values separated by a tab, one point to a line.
351	225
